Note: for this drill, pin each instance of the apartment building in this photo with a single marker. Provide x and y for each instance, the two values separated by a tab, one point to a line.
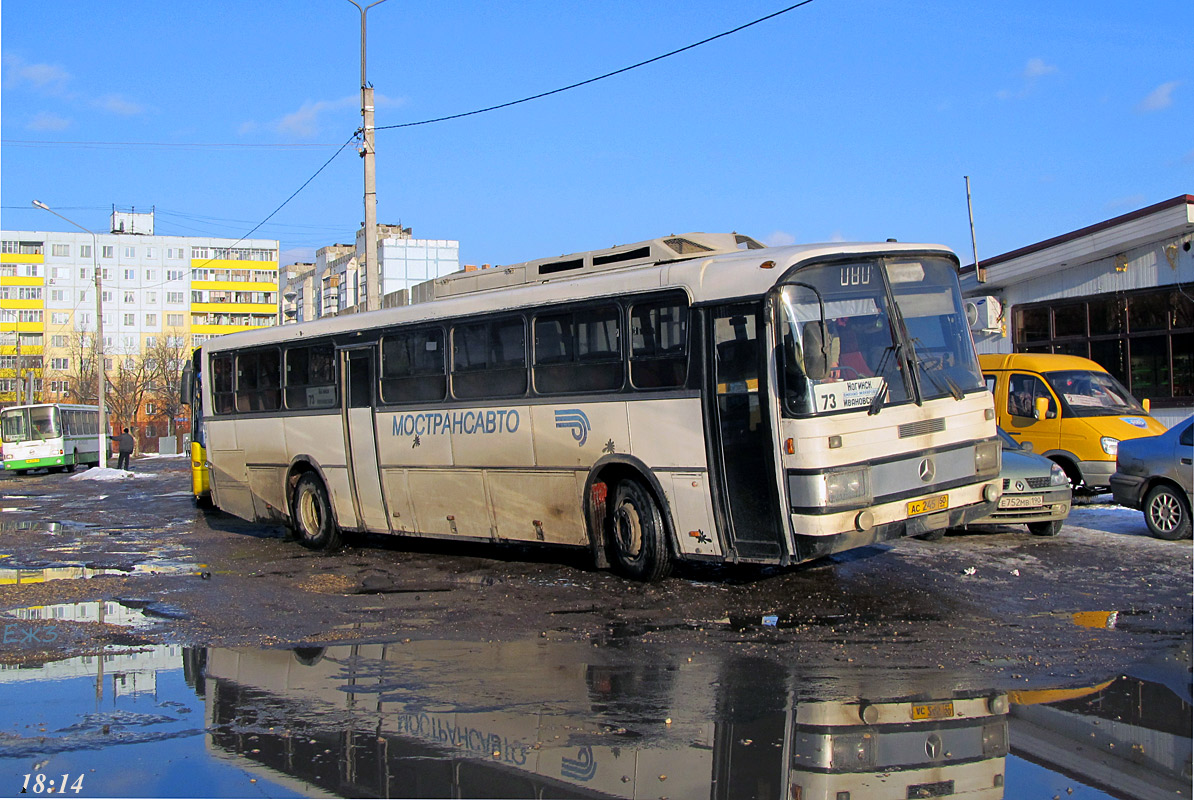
337	284
178	289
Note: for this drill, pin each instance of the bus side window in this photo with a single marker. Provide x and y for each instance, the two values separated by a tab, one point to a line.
659	344
311	376
489	359
413	366
578	351
257	380
221	384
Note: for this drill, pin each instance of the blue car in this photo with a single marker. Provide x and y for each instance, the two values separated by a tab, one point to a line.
1155	474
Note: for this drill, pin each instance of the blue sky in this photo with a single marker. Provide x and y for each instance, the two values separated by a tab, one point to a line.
843	119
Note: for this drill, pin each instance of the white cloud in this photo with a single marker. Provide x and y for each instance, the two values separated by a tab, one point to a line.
48	121
116	104
308	120
779	239
1033	71
1159	98
49	78
1037	68
305	121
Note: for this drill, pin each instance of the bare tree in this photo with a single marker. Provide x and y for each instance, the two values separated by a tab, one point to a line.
164	362
128	385
79	374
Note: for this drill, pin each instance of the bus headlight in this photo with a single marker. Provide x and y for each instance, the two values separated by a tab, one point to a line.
848	487
1110	445
853	752
986	458
995	739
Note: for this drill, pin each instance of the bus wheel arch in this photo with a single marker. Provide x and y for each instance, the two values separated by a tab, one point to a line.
630	523
312	518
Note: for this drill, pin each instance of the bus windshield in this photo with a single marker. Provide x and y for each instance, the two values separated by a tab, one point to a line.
1087	393
846	346
29	424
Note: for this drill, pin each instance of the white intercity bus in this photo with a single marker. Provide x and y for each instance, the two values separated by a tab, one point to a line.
52	435
693	397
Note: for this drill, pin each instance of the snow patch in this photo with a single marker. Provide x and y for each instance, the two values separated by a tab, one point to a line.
108	474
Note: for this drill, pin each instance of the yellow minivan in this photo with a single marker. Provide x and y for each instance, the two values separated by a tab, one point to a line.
1069	409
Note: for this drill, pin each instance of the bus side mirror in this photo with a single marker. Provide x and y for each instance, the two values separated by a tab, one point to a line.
816	359
1148	406
1041	408
186	384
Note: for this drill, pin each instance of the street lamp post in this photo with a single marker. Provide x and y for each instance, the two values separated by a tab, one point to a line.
100	377
372	273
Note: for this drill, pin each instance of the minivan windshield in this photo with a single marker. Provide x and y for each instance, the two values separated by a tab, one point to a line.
1087	393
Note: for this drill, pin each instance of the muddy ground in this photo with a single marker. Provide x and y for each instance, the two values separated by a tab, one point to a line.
1003	606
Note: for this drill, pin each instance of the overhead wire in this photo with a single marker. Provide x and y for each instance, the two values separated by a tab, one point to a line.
578	84
358	133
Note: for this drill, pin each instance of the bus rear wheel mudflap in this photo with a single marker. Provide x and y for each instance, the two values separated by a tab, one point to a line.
311	516
636	533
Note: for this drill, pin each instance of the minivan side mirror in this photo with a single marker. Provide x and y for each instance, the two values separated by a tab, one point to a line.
1041	408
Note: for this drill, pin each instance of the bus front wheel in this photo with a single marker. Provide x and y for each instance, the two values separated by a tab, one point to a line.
636	534
311	515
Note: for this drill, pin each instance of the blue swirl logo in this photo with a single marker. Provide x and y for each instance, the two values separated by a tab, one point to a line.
584	766
575	419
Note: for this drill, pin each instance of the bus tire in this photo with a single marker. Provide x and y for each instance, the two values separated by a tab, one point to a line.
311	515
637	537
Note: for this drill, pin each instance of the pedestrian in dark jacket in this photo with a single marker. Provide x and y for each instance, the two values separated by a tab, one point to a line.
125	444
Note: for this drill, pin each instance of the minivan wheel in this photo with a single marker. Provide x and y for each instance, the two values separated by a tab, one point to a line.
1166	513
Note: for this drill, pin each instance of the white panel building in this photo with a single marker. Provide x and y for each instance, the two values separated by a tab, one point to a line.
1120	292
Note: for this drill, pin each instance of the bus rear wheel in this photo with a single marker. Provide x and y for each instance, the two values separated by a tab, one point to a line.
636	534
311	515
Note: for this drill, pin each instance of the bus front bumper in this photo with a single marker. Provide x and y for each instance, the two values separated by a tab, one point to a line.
35	463
891	521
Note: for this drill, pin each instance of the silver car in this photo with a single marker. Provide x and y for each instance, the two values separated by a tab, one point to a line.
1036	491
1155	474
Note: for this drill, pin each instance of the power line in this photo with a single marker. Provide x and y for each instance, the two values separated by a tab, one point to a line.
161	145
599	77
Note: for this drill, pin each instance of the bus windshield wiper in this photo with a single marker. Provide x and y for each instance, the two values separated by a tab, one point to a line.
881	394
951	386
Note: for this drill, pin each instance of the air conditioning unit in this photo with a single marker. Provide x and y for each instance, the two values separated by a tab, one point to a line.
983	313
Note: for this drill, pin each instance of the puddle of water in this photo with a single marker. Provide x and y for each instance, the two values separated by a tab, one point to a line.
16	576
128	723
109	612
536	718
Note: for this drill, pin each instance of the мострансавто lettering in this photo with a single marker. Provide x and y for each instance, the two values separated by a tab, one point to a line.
434	423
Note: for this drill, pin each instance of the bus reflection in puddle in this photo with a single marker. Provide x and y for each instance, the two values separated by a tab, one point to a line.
439	719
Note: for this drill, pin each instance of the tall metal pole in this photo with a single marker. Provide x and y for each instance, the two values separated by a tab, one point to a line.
980	273
100	377
372	273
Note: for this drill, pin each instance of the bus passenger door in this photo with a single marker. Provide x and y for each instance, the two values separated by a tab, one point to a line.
741	434
361	450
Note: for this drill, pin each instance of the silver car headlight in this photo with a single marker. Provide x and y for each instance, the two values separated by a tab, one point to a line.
848	487
986	458
1057	476
1110	445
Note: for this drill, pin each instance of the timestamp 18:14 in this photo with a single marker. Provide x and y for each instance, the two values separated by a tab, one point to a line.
37	784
